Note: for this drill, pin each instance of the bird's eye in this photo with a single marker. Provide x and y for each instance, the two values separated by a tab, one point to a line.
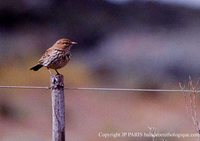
66	44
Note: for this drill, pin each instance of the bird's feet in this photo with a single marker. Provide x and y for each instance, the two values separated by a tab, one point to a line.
50	72
57	73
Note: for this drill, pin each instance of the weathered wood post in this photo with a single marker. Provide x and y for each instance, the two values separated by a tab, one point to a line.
58	107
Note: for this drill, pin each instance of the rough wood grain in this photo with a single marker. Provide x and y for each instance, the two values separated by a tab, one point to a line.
58	108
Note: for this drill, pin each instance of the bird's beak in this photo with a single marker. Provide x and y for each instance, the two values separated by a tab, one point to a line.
74	43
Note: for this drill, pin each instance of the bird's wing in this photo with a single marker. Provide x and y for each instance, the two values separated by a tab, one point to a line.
48	56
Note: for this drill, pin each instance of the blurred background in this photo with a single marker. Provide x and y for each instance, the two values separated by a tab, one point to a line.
122	44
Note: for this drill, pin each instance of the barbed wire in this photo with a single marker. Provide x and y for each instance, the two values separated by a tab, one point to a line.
102	89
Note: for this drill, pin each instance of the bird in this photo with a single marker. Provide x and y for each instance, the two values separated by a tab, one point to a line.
56	57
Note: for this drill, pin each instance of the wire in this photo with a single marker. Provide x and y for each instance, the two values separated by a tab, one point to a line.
133	90
103	89
24	87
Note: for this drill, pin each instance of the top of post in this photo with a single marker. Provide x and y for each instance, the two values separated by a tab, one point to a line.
57	81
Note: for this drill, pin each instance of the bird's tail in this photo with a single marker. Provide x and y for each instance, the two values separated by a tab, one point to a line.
36	67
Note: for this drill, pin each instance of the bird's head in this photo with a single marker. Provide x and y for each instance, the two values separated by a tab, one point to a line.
64	43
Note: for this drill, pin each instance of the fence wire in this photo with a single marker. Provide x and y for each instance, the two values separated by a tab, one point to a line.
102	89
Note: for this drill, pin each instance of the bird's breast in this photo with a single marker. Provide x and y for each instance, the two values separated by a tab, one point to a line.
61	60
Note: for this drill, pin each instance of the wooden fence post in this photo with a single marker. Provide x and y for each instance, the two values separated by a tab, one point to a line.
58	108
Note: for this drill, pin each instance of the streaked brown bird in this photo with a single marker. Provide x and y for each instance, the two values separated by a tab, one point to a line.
56	56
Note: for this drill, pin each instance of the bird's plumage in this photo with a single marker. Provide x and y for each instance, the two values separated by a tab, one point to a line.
56	56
